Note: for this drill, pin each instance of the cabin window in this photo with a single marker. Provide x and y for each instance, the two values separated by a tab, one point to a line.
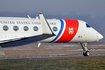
5	28
55	28
26	28
35	28
16	28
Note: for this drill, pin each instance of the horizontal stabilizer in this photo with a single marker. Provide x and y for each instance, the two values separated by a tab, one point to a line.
1	51
45	26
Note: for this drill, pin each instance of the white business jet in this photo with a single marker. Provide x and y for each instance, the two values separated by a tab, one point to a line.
20	31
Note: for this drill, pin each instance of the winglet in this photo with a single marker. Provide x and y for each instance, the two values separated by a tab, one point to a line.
1	51
45	26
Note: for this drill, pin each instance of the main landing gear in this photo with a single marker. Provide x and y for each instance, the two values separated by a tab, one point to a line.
85	50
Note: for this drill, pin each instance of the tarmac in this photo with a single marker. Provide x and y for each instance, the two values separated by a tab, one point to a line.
52	50
53	57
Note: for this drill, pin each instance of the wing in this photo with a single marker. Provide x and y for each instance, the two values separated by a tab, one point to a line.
46	33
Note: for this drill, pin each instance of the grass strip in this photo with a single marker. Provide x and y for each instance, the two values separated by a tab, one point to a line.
86	63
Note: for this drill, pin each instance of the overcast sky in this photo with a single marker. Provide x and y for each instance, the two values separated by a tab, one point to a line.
92	7
91	11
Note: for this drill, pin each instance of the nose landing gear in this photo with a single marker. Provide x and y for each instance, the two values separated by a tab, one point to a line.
84	47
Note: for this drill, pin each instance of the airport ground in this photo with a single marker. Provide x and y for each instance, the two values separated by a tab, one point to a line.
50	49
58	49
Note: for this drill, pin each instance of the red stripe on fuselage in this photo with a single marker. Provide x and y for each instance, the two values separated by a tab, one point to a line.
70	31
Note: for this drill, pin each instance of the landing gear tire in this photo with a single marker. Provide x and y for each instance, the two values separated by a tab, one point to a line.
87	53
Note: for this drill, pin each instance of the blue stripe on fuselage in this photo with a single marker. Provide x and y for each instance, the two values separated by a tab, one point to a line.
61	29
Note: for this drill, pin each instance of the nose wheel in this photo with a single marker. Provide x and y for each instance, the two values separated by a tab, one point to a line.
85	50
87	53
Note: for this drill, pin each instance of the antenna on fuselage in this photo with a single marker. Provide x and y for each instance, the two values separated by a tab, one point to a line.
28	17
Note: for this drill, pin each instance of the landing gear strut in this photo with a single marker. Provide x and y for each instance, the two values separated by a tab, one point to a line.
84	47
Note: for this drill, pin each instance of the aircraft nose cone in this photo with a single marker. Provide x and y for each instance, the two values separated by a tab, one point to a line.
100	36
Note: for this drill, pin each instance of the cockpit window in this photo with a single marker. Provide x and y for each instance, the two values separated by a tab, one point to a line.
87	25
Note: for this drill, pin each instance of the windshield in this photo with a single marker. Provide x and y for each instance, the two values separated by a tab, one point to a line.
87	25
